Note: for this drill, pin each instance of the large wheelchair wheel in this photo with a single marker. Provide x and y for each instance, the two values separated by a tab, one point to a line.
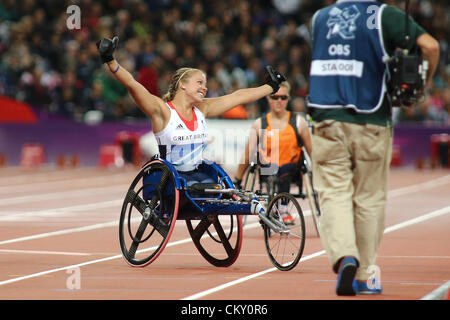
148	215
285	248
218	238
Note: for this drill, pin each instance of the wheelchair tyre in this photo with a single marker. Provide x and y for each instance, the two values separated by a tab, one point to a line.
220	234
145	226
286	248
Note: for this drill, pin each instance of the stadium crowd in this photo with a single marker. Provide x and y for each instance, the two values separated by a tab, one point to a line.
58	71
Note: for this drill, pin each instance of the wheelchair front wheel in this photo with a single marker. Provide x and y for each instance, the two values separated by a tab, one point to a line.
285	248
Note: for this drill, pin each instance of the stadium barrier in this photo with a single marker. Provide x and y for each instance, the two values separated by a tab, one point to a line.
440	150
110	156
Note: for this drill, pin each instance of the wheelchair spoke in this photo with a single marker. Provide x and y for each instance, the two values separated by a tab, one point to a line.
136	201
200	229
158	224
161	185
226	244
137	238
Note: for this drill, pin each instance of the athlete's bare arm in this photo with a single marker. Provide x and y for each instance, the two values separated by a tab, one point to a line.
213	107
150	104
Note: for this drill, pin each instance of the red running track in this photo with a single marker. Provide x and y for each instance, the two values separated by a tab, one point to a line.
56	225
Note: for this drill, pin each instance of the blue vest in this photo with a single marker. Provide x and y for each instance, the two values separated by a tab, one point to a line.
347	68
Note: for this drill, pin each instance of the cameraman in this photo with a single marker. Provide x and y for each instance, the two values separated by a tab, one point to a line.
352	129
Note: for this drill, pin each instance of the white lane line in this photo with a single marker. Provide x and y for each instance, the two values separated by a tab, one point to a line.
67	194
441	293
237	281
61	210
419	219
61	232
398	226
107	179
46	252
34	275
437	182
21	177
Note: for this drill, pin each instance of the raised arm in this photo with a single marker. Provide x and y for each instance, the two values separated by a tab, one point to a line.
150	104
213	107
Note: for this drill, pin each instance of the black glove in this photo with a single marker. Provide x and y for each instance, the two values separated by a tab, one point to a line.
274	78
106	48
238	183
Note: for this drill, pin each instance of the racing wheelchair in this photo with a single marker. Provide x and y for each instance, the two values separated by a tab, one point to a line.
158	197
255	180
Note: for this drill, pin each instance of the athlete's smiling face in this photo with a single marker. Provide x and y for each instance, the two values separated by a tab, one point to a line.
195	86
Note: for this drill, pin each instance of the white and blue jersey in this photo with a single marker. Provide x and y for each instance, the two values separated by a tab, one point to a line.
347	68
182	142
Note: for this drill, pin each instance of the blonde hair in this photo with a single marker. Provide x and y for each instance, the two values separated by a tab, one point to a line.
180	75
287	85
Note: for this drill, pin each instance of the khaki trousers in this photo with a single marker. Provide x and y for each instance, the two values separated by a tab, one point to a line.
350	173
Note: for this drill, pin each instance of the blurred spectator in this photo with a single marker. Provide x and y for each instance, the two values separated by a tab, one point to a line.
57	69
298	105
148	75
414	114
437	110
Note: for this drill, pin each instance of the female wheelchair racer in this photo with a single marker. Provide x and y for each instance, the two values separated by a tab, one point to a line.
159	196
179	184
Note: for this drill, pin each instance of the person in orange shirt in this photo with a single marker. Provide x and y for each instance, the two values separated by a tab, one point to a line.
279	137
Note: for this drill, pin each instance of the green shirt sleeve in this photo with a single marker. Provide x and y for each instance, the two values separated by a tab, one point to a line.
393	27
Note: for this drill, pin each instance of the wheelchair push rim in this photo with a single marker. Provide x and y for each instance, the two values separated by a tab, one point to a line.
146	223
